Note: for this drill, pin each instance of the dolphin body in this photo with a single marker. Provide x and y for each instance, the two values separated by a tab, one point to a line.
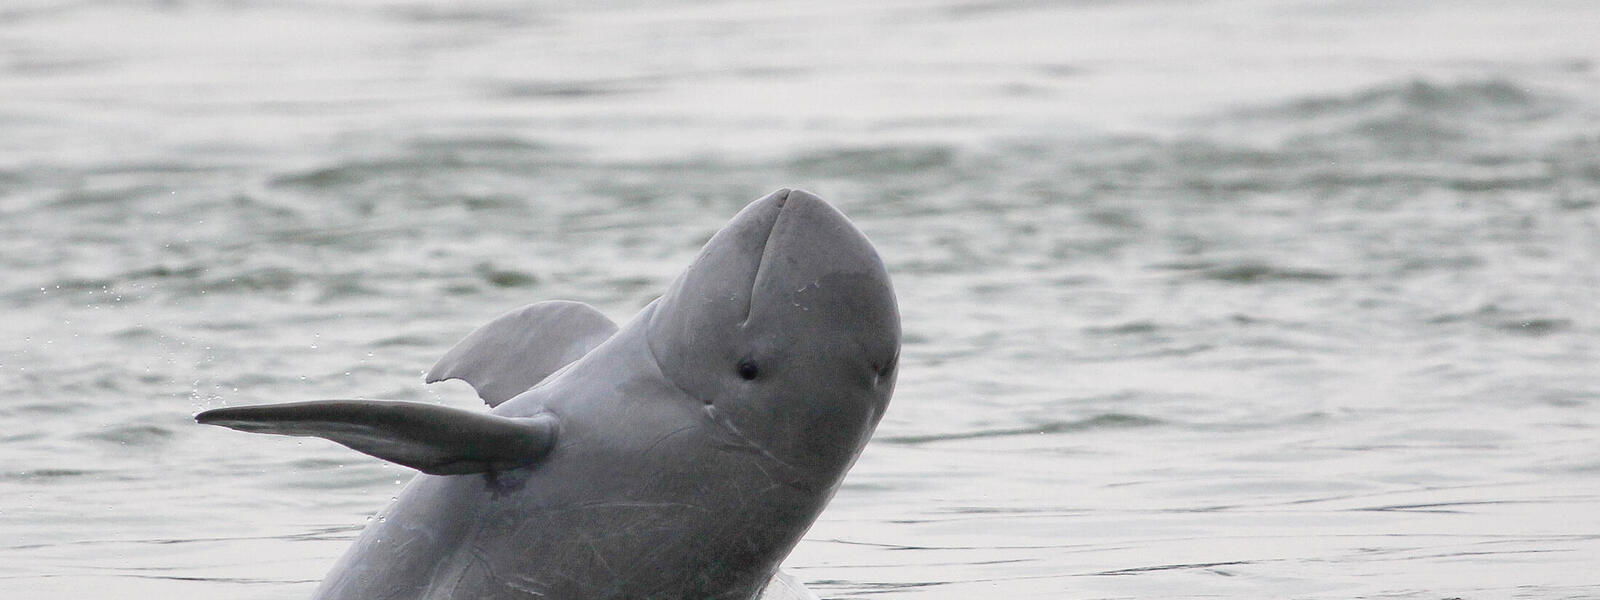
679	457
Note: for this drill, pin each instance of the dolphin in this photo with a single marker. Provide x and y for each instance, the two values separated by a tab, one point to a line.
680	456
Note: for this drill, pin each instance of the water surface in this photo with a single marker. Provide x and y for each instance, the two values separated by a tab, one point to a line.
1210	299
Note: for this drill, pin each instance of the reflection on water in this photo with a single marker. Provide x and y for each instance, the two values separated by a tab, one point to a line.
1215	299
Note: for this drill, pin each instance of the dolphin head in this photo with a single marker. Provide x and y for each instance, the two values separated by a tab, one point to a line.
786	328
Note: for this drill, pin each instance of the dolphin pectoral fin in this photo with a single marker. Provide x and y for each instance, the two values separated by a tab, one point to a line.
434	439
520	348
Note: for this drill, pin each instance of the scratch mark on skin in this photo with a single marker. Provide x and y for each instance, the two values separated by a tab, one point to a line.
527	587
794	478
608	504
478	556
600	557
581	585
668	435
518	582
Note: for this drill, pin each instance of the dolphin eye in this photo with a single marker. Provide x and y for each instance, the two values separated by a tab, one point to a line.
748	369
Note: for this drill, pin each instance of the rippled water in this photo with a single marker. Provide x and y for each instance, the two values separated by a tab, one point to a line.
1214	299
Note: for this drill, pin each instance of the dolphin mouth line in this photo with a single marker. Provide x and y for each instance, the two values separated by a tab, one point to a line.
761	263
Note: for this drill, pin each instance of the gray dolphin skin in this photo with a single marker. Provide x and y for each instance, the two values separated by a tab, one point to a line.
681	456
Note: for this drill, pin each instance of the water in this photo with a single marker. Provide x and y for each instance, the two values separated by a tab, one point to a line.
1213	299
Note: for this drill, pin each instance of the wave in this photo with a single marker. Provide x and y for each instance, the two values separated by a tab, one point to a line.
1101	421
